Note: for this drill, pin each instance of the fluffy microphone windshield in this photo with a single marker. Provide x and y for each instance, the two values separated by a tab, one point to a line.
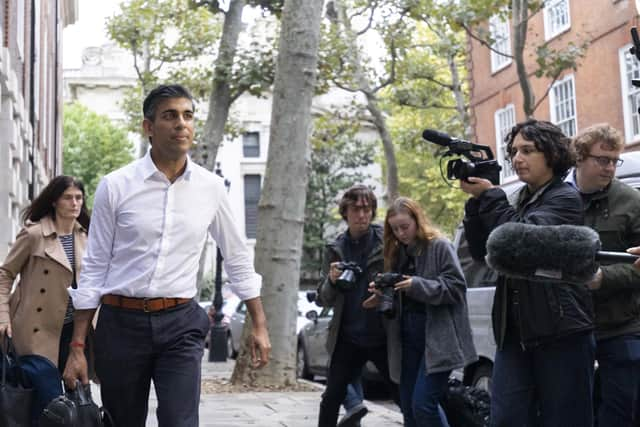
544	252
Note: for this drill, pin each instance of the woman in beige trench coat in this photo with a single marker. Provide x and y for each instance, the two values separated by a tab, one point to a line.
47	255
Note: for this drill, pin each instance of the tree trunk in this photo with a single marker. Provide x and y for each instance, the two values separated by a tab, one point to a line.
220	99
281	208
456	85
364	86
520	12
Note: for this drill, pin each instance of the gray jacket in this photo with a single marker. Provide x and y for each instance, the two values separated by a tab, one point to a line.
328	295
440	284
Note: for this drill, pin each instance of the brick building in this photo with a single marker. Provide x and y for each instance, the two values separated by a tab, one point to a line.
598	91
30	103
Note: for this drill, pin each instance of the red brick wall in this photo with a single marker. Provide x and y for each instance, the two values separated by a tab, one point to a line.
597	80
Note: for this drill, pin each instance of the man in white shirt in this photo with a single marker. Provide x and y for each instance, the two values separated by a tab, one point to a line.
148	227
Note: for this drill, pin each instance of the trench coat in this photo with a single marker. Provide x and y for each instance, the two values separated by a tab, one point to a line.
38	303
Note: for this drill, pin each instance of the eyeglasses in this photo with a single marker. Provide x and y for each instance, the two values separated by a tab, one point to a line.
604	161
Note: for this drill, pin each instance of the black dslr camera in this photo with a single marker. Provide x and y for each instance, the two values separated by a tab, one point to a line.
482	167
385	282
349	276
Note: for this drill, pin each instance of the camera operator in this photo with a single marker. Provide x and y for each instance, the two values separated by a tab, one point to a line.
430	334
612	208
543	370
355	335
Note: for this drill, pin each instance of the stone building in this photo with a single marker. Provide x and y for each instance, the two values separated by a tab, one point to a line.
30	103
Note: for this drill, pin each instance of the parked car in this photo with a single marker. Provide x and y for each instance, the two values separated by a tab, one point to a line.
236	321
228	306
312	355
481	282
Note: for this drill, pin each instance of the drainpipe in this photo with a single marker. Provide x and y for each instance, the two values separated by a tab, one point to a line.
32	99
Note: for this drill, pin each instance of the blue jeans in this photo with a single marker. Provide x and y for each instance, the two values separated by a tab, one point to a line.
619	372
355	395
420	394
549	385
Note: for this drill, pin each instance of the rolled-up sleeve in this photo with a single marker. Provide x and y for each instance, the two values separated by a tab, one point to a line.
97	258
238	263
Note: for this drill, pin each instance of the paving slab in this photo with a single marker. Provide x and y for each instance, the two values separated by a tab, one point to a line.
264	409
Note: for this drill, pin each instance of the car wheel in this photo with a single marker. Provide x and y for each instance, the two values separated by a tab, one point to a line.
302	370
482	377
231	352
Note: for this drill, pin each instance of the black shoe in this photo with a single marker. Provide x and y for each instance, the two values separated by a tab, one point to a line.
353	416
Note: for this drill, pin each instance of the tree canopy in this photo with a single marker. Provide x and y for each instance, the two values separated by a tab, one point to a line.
93	146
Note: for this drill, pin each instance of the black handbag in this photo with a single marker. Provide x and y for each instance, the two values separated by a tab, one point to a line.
466	406
16	398
75	408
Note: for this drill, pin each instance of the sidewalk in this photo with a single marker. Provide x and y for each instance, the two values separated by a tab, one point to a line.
265	409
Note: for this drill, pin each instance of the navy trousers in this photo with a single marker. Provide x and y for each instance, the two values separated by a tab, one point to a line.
550	385
134	348
619	373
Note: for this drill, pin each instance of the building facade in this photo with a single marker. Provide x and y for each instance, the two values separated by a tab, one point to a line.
30	103
598	91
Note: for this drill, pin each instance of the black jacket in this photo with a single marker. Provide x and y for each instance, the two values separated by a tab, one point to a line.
547	310
328	295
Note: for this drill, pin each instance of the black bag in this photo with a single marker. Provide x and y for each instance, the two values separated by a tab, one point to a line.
75	408
15	398
466	406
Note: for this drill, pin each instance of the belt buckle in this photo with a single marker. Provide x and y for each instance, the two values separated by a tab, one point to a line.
145	307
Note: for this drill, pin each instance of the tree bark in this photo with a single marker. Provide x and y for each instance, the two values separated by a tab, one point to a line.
220	99
281	207
519	23
456	88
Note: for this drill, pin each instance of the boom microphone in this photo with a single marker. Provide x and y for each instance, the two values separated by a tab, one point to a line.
567	253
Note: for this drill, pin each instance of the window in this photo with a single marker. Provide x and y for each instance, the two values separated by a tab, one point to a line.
630	69
556	18
251	144
563	105
499	30
251	199
505	119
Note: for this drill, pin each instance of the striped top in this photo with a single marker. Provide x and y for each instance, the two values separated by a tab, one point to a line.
67	245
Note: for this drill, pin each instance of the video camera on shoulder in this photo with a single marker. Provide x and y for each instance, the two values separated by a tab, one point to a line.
351	271
482	167
385	283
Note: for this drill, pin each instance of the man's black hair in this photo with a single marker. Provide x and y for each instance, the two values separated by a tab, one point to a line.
161	93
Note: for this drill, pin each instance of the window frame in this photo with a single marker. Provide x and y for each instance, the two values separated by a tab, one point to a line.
501	155
245	148
498	61
549	31
552	103
625	86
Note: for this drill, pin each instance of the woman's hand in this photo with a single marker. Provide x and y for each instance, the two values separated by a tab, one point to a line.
334	272
403	285
5	329
635	251
475	186
373	300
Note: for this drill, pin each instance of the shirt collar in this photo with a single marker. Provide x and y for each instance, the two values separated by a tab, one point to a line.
148	168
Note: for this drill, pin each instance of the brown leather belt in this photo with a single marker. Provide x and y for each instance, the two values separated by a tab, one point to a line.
148	305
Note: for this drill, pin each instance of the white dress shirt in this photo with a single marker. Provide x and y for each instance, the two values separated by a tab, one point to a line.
146	235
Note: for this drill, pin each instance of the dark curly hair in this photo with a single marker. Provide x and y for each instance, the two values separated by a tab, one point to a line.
548	139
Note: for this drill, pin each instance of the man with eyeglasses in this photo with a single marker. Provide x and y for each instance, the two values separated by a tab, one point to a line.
612	208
